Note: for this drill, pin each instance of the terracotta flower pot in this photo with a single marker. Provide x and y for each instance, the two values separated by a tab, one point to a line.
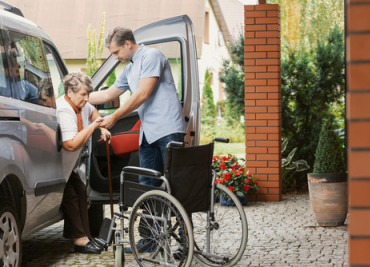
328	196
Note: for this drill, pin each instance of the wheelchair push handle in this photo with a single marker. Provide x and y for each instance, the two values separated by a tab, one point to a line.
220	139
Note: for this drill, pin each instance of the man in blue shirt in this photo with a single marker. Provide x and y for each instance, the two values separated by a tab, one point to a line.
148	76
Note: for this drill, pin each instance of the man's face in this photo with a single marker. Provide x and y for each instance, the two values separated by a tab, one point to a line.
122	53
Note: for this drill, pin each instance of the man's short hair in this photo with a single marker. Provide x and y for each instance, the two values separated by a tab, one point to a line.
119	35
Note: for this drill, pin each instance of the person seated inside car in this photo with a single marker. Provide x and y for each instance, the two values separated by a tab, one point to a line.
74	113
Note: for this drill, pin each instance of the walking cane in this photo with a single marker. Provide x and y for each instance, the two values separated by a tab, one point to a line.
109	179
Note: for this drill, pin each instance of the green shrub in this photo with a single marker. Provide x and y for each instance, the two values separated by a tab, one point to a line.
329	157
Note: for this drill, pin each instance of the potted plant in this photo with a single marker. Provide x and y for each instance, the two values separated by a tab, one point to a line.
233	174
328	183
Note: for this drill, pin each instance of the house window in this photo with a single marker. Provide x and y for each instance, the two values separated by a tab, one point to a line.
206	28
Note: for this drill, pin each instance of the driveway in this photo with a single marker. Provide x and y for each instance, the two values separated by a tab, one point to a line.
280	234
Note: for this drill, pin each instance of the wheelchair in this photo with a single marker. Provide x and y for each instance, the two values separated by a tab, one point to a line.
215	235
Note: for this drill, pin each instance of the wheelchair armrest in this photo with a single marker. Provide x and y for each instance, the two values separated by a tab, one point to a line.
142	171
174	144
220	139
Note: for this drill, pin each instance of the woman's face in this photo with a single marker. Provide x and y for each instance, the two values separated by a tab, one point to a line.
79	98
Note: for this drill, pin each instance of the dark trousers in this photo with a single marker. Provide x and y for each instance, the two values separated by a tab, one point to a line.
75	208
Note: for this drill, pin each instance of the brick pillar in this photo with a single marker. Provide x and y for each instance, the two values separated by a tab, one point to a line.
358	125
263	97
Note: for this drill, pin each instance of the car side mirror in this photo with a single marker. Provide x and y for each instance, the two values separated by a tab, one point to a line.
113	104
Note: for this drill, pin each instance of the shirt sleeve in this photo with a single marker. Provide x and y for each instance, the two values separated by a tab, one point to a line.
152	65
121	82
68	123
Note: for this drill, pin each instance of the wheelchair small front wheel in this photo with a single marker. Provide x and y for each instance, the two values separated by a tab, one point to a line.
119	256
160	231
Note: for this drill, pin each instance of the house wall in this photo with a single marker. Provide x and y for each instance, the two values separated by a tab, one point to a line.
263	97
358	125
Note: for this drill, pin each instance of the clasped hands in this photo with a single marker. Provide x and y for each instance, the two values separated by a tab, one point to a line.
105	134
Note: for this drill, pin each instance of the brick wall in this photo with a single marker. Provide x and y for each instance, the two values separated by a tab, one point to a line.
263	97
358	125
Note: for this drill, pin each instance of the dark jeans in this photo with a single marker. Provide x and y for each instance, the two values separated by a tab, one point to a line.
152	155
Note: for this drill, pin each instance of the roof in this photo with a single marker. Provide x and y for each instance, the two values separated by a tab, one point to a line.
67	20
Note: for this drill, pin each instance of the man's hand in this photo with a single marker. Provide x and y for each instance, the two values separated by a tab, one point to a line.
108	122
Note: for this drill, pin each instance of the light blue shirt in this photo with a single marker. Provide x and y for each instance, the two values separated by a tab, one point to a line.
161	114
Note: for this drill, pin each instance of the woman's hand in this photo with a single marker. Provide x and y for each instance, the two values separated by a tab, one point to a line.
105	134
97	122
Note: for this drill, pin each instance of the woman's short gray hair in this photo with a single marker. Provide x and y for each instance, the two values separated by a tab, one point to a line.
119	35
76	80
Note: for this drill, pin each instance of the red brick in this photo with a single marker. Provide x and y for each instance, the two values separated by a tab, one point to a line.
249	21
268	116
273	41
267	89
249	48
274	136
255	122
250	129
273	150
273	27
274	55
251	28
274	96
268	143
274	191
267	20
250	103
255	95
268	183
358	18
273	69
255	14
250	143
358	105
274	123
250	116
251	35
274	164
256	82
274	82
359	251
358	47
268	157
268	34
268	7
256	150
255	137
250	89
272	177
256	69
257	163
253	41
268	62
274	109
267	48
273	14
358	164
267	129
252	55
250	75
358	193
268	170
267	102
358	74
249	7
249	62
255	109
268	75
250	156
358	133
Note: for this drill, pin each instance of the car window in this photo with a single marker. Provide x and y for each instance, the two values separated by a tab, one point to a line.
55	72
172	50
4	76
31	80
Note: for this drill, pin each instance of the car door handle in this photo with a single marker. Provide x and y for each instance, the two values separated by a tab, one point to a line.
58	139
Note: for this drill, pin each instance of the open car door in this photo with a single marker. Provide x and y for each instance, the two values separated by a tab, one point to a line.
175	38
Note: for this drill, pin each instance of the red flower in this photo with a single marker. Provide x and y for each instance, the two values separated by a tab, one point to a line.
222	166
227	176
231	188
217	180
246	188
248	181
214	158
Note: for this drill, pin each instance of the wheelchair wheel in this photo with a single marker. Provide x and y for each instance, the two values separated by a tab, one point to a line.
160	220
220	241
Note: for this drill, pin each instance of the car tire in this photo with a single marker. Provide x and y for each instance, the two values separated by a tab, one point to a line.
96	216
10	236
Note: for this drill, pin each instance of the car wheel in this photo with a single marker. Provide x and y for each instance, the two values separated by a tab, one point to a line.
96	216
10	237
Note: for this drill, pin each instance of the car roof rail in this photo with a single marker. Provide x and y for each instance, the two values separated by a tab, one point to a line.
10	8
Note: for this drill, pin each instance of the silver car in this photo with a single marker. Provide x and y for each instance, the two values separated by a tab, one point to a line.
33	169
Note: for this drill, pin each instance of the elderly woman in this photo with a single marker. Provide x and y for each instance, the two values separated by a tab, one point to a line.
74	113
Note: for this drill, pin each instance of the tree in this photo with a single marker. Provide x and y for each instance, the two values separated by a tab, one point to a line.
233	78
95	49
208	109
